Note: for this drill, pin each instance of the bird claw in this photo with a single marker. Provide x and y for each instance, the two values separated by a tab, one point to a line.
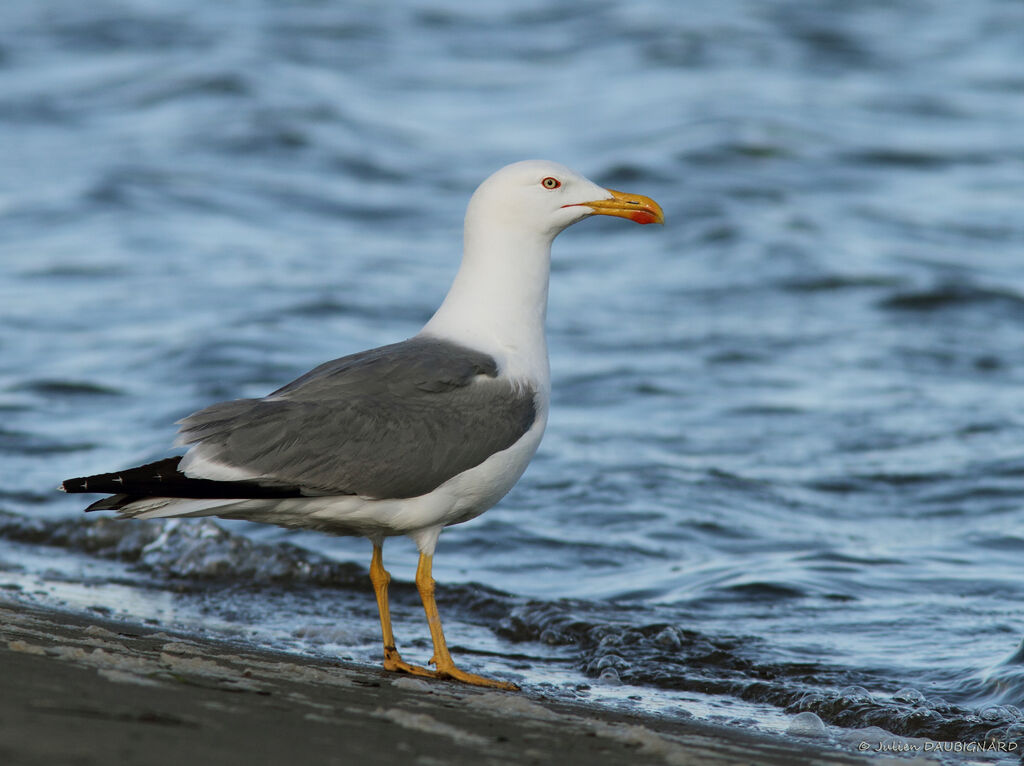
393	661
455	674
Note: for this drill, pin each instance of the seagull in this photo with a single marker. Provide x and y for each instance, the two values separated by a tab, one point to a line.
404	439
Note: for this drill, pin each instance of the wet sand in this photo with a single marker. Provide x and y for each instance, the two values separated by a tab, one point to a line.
81	690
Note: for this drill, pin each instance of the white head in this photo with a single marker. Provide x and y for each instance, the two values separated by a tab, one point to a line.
498	300
542	198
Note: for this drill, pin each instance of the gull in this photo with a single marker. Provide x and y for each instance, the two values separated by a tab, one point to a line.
404	439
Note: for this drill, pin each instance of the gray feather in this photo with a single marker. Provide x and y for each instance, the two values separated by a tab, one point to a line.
391	422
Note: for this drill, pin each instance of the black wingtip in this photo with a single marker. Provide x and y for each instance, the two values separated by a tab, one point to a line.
112	503
72	485
163	479
78	484
118	482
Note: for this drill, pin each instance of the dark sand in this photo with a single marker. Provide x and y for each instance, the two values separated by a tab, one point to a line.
81	690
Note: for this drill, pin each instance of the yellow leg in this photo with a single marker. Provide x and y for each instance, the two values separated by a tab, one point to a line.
442	660
380	578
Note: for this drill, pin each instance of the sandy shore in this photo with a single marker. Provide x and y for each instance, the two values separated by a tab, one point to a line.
80	690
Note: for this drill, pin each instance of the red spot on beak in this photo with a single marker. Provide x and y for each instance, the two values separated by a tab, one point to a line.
634	207
642	216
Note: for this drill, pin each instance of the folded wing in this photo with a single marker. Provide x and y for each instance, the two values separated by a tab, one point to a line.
391	422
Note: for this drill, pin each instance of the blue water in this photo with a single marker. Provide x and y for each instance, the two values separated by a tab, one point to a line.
785	460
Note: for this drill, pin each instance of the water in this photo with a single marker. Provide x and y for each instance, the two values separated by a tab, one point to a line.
785	458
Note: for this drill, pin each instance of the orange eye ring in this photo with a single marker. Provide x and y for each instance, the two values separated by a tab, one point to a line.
550	183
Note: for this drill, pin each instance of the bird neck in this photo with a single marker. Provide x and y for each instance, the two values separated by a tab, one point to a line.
498	301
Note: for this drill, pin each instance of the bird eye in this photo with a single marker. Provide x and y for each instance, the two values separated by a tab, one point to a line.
550	183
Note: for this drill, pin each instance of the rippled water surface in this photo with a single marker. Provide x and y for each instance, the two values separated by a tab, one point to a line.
785	463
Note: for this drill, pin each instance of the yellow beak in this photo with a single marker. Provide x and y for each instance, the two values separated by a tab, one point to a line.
635	207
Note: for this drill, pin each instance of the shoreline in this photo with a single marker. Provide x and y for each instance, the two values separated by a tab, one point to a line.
80	689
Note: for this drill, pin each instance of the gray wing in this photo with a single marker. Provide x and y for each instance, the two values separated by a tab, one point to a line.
391	422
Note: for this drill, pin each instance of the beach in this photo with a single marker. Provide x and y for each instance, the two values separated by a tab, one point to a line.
83	690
